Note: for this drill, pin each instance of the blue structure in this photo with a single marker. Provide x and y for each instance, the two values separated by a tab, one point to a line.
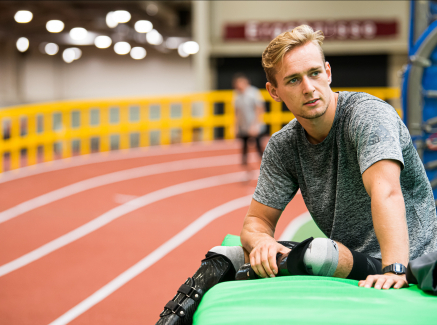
419	88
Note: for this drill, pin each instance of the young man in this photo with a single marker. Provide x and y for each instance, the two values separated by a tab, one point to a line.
249	106
361	179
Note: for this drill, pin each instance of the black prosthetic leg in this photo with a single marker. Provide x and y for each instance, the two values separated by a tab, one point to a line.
215	268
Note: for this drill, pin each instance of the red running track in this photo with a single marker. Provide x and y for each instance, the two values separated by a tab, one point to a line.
62	280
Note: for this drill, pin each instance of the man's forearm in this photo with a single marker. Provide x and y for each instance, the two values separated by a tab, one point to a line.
389	220
255	230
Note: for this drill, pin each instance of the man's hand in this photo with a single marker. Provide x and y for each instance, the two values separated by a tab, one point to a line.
263	257
385	281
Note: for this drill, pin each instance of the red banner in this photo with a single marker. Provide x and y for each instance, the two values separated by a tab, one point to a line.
255	31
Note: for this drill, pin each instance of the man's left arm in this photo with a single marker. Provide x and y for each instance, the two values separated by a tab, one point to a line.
382	183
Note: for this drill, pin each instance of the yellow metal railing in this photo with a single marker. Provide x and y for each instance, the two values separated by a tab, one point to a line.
30	134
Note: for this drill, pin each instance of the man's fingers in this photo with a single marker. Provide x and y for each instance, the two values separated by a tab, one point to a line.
383	281
369	281
259	267
380	282
389	283
282	249
266	262
400	283
272	261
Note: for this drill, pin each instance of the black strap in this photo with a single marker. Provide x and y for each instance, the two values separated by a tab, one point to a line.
190	292
175	308
363	266
295	263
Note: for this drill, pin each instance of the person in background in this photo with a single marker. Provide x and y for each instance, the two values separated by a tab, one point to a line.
249	106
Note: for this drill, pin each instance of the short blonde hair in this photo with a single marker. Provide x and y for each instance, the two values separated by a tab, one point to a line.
284	43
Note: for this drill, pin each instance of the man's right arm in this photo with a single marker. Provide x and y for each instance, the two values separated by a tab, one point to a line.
257	238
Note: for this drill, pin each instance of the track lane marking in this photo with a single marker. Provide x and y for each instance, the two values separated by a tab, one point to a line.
152	258
119	176
119	211
294	226
110	156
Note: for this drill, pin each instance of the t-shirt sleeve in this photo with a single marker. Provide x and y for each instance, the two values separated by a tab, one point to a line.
276	186
375	131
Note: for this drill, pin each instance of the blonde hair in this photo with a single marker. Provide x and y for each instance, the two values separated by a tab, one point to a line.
284	43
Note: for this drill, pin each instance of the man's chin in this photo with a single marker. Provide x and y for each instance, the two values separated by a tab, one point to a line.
314	114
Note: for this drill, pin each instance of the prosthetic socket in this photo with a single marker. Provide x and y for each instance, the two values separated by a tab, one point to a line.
311	257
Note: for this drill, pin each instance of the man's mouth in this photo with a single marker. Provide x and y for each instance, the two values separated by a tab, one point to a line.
312	101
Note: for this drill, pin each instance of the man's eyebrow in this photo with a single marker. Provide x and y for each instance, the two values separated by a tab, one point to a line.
298	74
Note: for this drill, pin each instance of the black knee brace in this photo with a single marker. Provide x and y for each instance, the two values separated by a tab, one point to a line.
363	266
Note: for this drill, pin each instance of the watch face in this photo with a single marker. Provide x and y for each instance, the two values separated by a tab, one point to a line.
398	268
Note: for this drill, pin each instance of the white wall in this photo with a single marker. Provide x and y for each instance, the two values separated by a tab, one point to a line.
97	74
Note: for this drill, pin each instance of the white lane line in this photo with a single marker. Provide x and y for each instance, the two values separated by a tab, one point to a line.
117	212
294	226
152	258
119	176
112	156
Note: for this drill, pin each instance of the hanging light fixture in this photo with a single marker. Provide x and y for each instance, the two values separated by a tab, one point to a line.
122	48
103	42
23	16
22	44
55	26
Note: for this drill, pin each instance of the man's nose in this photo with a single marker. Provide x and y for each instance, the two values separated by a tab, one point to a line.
307	86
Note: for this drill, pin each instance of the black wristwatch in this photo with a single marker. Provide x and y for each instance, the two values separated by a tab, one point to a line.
396	268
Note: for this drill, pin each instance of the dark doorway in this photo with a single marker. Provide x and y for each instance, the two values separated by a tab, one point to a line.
347	70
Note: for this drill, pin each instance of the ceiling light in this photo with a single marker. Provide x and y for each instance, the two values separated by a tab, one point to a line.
23	16
68	55
153	37
122	48
55	26
22	44
182	52
121	16
77	53
103	42
152	9
172	42
143	26
191	47
51	48
138	53
71	54
78	33
110	20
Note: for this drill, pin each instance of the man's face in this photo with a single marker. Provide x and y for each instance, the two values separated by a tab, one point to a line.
303	82
240	84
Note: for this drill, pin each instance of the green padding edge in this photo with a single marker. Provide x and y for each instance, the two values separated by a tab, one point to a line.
303	300
312	300
231	240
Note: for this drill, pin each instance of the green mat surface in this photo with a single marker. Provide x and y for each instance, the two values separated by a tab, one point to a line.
312	300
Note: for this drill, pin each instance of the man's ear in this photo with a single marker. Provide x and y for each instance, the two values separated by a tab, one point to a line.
273	92
328	71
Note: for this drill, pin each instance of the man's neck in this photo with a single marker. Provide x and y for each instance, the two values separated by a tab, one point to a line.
318	129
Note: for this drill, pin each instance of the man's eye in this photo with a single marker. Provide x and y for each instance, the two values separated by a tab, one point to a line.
292	81
315	73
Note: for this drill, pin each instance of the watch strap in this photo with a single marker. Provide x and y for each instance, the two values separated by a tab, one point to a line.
395	268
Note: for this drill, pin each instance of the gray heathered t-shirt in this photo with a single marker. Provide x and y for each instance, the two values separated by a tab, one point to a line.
365	130
245	106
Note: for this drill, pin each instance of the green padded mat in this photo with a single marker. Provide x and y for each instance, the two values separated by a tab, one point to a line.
312	300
